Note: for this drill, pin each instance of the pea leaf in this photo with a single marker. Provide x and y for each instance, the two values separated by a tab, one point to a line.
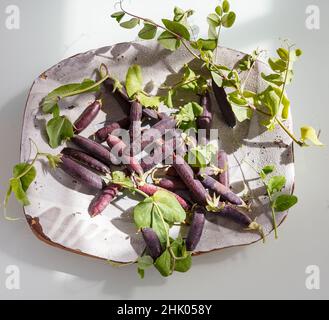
20	185
28	178
277	65
275	79
169	41
171	210
164	264
144	263
118	15
226	6
228	20
266	171
309	134
219	10
206	44
143	213
134	80
51	100
276	184
271	100
148	32
130	24
149	101
161	228
213	20
119	178
179	249
188	114
284	202
217	79
177	28
283	54
58	130
242	113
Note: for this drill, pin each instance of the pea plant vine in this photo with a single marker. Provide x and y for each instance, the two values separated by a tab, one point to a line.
273	103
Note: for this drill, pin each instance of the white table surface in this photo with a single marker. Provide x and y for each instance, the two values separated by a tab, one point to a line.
53	30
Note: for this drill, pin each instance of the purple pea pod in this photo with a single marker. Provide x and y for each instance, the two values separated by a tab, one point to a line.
103	133
95	149
150	114
171	184
101	202
157	131
130	162
81	174
152	242
199	193
224	177
224	105
205	120
87	116
196	229
220	190
86	160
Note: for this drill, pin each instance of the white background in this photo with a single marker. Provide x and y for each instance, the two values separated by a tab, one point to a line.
53	30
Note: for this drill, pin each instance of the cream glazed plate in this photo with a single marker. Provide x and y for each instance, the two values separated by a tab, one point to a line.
58	213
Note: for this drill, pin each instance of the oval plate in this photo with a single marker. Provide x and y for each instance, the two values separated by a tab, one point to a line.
58	212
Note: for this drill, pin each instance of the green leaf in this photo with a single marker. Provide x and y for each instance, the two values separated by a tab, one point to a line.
228	20
134	80
119	178
235	98
268	170
177	28
242	113
284	202
179	249
201	156
285	103
226	6
51	100
19	185
277	65
130	24
271	100
283	54
276	184
164	263
219	10
149	101
169	41
160	227
184	265
275	79
170	208
148	32
58	130
214	20
143	213
188	114
217	79
28	178
20	194
118	15
309	134
206	44
144	263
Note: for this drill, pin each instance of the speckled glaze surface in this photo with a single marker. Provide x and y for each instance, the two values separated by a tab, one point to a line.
58	213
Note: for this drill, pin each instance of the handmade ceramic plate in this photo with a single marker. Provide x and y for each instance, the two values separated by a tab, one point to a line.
58	213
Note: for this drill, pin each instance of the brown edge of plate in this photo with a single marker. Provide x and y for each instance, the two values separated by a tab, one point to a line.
36	227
